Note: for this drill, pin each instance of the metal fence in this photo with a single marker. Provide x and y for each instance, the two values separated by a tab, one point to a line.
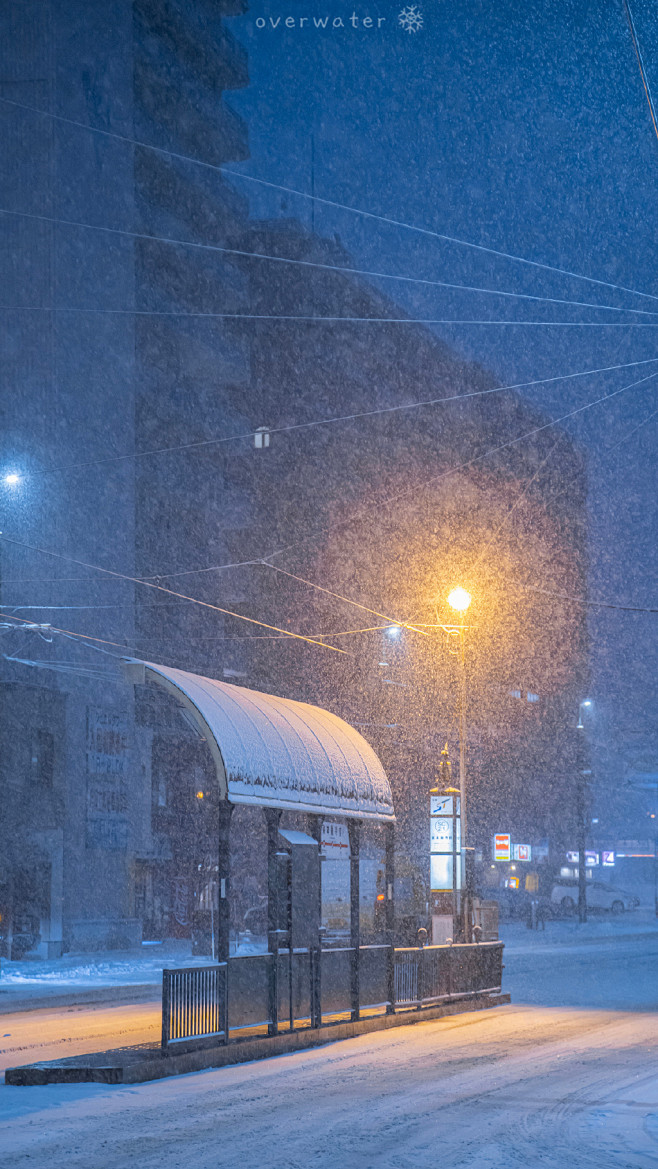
436	974
306	988
194	1002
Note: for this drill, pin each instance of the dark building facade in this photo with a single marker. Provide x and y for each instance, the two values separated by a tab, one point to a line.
391	508
95	365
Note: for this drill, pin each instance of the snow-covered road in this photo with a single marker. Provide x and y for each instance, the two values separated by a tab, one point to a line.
567	1075
526	1086
48	1033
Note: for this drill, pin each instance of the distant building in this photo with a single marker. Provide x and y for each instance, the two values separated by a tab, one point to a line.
391	510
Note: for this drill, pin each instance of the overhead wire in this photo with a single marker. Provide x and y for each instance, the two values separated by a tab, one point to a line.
196	600
320	588
161	588
522	494
368	509
327	319
356	516
643	72
243	253
413	627
47	627
224	170
353	417
439	235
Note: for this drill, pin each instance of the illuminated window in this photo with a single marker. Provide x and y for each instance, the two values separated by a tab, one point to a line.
532	697
262	437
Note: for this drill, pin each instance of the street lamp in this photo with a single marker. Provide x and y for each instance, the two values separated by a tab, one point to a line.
459	600
582	706
12	479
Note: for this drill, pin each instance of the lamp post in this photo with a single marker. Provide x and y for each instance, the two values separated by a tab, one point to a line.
583	772
459	600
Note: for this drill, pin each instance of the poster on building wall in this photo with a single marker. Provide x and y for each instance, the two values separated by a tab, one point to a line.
107	780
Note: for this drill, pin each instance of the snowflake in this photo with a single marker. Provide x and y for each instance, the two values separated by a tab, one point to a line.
411	18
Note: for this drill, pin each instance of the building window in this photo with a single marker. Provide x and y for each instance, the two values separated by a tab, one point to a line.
262	437
515	693
42	758
532	697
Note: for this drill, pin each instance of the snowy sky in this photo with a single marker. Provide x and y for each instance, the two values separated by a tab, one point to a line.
521	125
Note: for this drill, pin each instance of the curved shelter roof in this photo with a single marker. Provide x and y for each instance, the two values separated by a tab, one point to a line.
277	753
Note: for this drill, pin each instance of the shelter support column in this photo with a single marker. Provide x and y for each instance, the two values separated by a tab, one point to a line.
315	830
223	881
272	820
354	833
389	838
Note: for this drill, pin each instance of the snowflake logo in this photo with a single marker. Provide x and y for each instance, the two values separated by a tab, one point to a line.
411	18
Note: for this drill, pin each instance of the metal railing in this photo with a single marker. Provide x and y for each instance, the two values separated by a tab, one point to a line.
194	1003
436	974
309	988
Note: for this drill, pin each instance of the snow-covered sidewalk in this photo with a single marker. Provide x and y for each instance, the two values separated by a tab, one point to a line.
76	976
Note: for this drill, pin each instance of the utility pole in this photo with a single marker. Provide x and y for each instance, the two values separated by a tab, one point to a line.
582	808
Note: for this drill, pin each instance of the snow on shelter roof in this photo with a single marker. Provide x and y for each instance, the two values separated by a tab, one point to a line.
277	753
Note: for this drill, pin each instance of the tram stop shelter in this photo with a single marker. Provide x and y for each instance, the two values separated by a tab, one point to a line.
287	756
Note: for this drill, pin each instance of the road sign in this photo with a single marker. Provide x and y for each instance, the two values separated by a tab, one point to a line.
502	846
522	852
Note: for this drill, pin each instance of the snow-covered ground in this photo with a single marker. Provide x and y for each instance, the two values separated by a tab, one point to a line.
516	1086
35	981
31	980
566	1075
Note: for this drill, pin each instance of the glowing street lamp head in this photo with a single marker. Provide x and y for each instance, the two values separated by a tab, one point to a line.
12	479
459	599
393	631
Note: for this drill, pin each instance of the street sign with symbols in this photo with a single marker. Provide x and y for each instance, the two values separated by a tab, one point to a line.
502	846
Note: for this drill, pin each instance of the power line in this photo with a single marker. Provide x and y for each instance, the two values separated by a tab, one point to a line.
584	601
459	467
541	466
29	626
581	409
161	588
64	668
308	318
437	235
315	264
643	72
265	561
355	417
223	170
312	584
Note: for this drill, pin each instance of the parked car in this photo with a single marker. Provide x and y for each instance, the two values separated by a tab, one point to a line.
600	895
